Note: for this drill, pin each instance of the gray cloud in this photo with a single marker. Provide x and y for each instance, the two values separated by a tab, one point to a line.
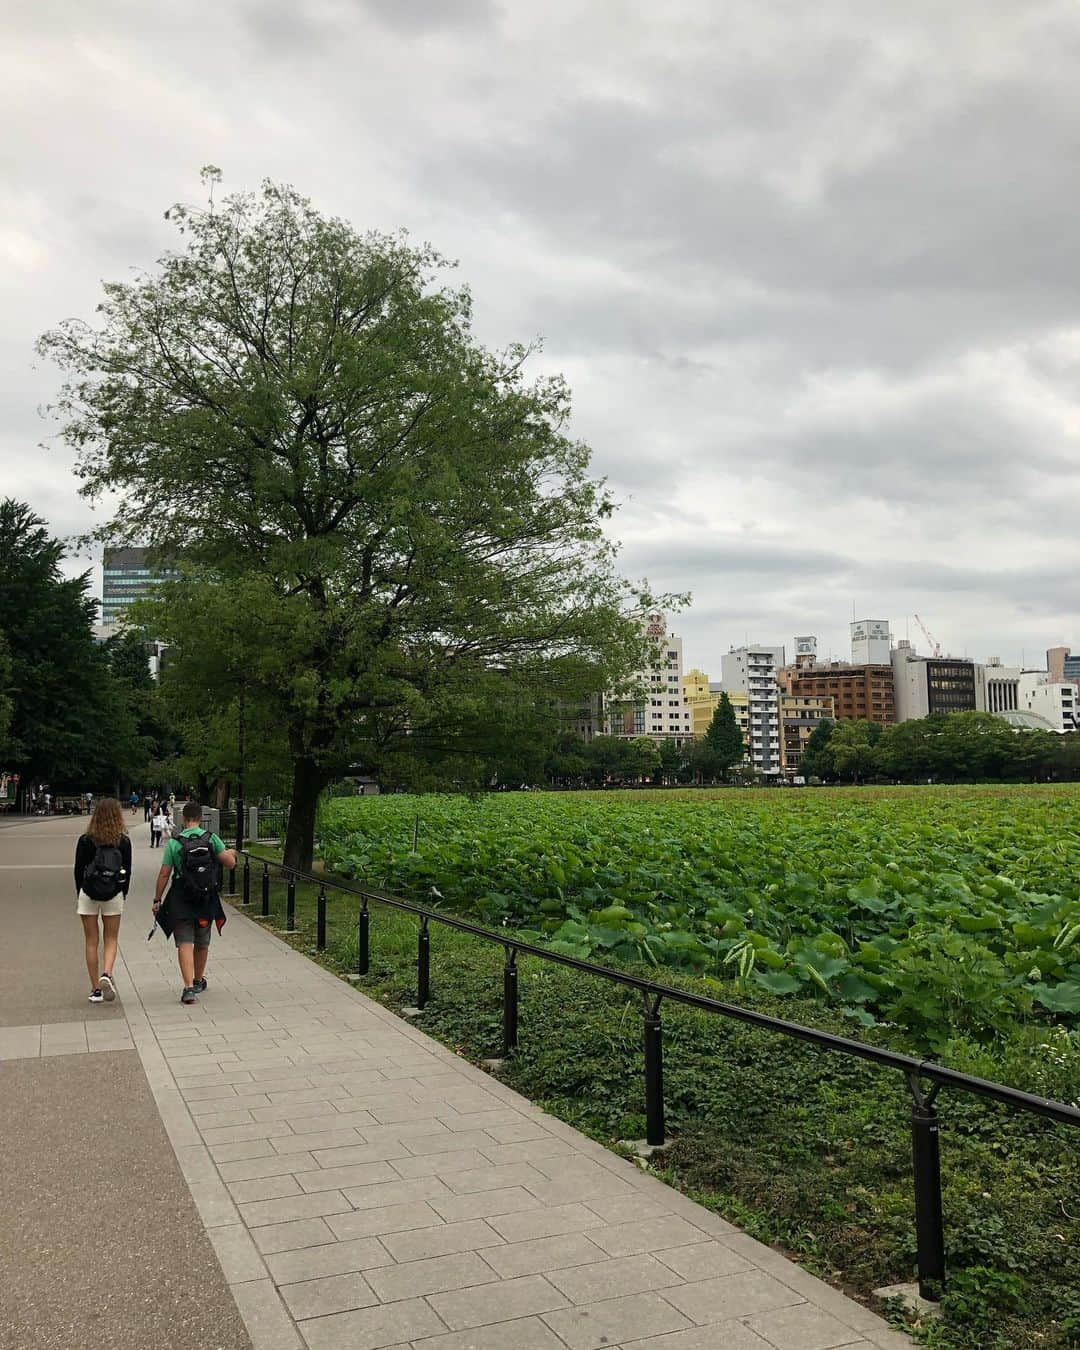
811	273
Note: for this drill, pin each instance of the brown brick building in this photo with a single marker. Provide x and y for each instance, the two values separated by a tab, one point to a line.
857	692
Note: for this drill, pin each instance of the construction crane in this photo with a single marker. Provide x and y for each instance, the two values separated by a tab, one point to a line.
929	637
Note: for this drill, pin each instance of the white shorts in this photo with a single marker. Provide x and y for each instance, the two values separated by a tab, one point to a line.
85	905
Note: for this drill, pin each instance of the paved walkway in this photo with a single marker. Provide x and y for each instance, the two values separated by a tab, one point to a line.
364	1187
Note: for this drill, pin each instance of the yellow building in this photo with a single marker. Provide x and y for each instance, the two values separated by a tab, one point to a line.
702	699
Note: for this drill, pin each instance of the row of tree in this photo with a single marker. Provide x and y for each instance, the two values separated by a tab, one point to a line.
944	748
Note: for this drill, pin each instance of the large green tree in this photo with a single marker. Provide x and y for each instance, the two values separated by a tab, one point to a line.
722	746
302	412
69	723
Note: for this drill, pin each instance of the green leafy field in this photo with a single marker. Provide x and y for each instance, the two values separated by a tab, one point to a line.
944	913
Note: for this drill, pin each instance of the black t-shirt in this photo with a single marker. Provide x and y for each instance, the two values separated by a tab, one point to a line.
85	850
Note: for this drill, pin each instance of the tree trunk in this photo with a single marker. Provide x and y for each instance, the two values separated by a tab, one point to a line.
308	781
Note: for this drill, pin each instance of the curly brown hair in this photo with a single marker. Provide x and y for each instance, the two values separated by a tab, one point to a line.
107	823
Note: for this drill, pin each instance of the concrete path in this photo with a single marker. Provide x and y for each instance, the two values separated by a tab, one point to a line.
363	1187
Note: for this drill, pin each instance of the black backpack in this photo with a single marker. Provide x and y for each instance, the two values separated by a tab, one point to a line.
198	865
103	878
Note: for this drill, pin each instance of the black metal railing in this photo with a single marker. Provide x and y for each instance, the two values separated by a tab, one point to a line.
925	1123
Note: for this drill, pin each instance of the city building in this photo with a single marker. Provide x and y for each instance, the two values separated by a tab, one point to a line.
753	671
863	692
703	698
663	713
1056	701
997	687
800	714
1061	664
870	642
930	684
126	577
805	651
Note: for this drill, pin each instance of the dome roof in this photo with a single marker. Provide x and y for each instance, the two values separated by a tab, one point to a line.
1026	721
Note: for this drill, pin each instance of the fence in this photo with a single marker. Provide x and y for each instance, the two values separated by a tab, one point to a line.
267	823
925	1124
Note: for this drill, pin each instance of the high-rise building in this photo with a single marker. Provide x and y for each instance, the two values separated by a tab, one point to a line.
127	577
857	692
800	716
1058	701
663	713
753	671
997	687
931	684
703	699
870	642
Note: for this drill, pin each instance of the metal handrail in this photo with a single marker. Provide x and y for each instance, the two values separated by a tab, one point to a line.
925	1125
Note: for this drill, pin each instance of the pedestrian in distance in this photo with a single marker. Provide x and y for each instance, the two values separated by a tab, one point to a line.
158	821
102	878
148	805
191	868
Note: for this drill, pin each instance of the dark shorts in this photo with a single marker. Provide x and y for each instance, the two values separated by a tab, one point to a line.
197	931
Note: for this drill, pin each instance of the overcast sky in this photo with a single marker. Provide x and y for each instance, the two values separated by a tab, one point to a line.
812	271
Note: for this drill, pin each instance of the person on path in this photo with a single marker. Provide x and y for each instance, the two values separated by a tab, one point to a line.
158	821
102	878
191	869
148	805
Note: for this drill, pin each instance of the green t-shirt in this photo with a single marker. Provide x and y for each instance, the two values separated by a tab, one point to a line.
173	854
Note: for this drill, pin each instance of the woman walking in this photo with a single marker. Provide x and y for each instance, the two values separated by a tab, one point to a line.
158	821
102	878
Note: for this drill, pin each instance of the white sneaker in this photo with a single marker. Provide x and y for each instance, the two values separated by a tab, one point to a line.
108	989
96	996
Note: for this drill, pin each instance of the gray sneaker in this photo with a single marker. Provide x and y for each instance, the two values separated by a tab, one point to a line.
199	986
108	989
189	996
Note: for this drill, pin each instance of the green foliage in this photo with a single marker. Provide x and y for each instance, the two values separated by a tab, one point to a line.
301	415
69	719
941	912
722	747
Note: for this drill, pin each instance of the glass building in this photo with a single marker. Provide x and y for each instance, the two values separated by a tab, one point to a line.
127	577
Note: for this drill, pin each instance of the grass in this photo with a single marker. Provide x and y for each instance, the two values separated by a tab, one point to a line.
805	1151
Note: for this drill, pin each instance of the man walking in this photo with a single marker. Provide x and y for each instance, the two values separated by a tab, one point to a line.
191	869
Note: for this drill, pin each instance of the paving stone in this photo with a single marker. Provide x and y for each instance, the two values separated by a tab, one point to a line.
459	1270
396	1192
247	1148
489	1178
449	1141
284	1237
263	1188
611	1279
802	1327
484	1204
500	1302
331	1294
527	1333
385	1219
729	1296
360	1174
646	1235
277	1165
601	1325
268	1324
448	1165
472	1235
314	1143
720	1336
627	1206
262	1212
237	1254
337	1258
532	1150
539	1223
356	1154
544	1254
703	1261
580	1188
373	1328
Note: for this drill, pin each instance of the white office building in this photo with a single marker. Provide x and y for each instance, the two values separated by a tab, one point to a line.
1058	701
664	713
753	671
870	642
997	687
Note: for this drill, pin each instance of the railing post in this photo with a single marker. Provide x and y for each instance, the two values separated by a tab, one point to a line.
247	880
926	1160
510	1002
654	1073
363	941
232	880
423	965
320	921
290	905
266	892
